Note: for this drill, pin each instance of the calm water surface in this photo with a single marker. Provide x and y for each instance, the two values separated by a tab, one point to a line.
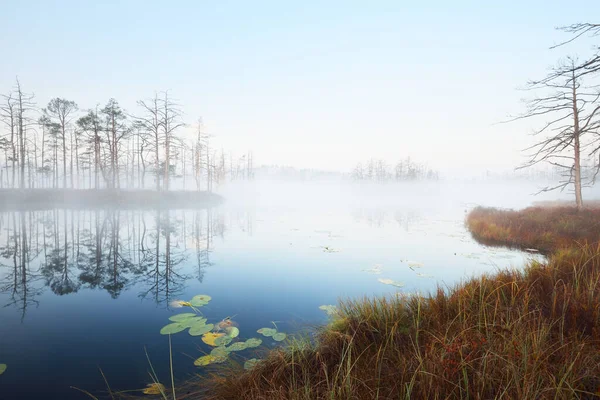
87	289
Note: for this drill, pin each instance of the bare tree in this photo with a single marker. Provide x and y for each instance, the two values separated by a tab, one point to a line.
91	125
567	104
116	131
60	111
170	116
150	126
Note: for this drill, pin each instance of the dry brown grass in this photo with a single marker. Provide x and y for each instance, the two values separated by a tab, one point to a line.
542	228
516	334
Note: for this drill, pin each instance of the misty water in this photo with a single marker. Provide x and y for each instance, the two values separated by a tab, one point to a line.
87	289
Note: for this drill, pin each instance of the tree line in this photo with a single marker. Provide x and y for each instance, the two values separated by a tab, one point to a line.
404	170
59	146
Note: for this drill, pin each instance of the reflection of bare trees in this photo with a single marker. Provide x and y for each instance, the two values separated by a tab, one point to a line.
20	279
109	250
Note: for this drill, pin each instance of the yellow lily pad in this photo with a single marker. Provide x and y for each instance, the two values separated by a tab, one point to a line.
204	360
210	337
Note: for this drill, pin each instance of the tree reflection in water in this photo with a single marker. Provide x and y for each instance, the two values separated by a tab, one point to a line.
112	250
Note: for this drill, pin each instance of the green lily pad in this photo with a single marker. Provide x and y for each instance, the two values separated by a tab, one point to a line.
267	331
182	317
200	300
250	363
2	368
200	329
279	336
220	351
170	329
204	360
223	340
197	321
232	331
254	342
238	346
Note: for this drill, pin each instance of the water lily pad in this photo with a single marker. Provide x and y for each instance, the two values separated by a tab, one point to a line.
200	329
210	337
170	329
182	317
238	346
154	388
2	368
200	300
220	351
267	331
204	360
254	342
232	332
329	309
279	336
197	321
223	340
250	363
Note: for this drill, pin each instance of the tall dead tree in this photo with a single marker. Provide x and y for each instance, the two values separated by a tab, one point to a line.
170	117
24	104
150	127
91	126
568	107
116	131
8	115
591	69
60	111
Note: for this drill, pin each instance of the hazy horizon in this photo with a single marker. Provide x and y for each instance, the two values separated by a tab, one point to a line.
320	86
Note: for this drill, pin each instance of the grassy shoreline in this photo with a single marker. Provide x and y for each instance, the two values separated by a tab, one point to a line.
531	333
39	199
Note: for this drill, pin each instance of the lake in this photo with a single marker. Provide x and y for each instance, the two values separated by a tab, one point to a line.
82	290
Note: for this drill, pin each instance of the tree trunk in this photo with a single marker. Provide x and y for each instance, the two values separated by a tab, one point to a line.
577	148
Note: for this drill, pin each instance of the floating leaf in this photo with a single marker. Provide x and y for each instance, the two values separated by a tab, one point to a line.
182	317
232	332
391	282
197	321
204	360
254	342
200	300
172	328
154	388
2	368
267	331
179	304
250	363
279	336
329	309
210	337
223	340
220	351
200	329
238	346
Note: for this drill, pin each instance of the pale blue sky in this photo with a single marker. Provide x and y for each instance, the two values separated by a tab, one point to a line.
310	84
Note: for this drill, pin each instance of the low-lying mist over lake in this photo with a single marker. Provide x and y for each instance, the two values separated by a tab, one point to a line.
89	288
